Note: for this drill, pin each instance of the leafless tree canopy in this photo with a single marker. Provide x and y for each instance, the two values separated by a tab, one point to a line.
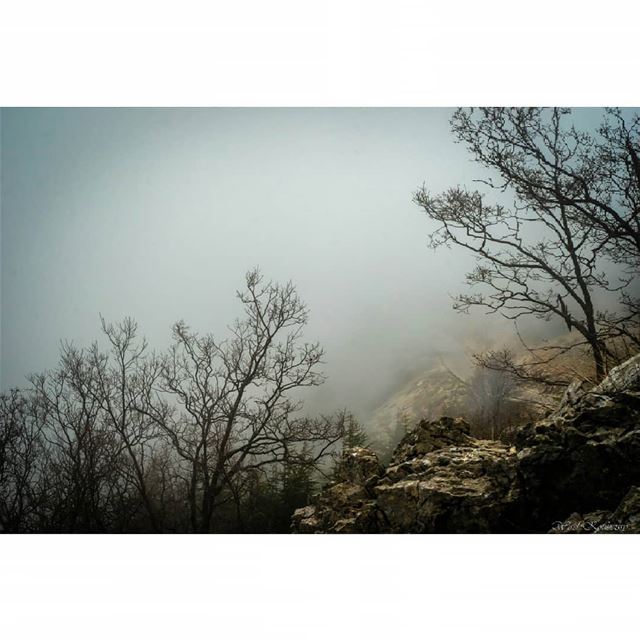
574	212
123	439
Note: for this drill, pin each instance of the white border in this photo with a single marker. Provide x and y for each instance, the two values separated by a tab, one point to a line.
318	587
336	52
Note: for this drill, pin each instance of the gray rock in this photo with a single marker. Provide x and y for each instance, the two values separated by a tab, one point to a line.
430	436
359	465
582	459
462	489
624	377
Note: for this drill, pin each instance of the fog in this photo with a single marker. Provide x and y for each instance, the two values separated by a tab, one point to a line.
158	213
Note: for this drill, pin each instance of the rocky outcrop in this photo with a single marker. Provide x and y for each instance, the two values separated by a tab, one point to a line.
624	519
582	459
623	378
441	479
432	394
347	505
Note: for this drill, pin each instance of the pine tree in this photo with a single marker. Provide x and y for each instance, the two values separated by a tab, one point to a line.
354	434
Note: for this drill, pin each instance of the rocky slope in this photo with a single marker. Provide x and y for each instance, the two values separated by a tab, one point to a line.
577	470
436	392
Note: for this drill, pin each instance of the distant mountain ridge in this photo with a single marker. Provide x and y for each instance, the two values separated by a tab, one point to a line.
434	393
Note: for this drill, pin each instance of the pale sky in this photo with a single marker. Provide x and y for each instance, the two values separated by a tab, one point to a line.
158	213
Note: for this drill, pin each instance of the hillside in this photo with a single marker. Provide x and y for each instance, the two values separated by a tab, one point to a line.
574	471
483	397
434	393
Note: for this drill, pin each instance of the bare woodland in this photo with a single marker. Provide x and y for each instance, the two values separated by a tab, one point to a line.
123	439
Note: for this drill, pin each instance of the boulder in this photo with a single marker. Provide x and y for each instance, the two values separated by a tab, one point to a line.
584	458
624	519
624	377
430	436
466	488
345	505
359	465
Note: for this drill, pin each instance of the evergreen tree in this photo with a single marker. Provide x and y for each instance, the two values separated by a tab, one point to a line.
354	433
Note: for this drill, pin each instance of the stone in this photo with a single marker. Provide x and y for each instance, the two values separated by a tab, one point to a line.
576	470
359	465
624	377
624	519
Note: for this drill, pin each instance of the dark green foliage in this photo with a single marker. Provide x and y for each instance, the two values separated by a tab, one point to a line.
271	500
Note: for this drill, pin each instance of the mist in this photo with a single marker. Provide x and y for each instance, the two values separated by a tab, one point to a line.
158	213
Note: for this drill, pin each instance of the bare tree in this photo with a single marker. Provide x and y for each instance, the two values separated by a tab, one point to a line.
550	164
120	439
491	401
542	256
123	379
85	486
21	457
535	370
237	413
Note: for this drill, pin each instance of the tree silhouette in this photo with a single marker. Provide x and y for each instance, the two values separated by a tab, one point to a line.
237	412
115	438
575	204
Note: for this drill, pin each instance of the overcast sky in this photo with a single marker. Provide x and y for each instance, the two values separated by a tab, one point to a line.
158	213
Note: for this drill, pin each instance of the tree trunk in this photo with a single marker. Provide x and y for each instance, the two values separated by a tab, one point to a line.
598	360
